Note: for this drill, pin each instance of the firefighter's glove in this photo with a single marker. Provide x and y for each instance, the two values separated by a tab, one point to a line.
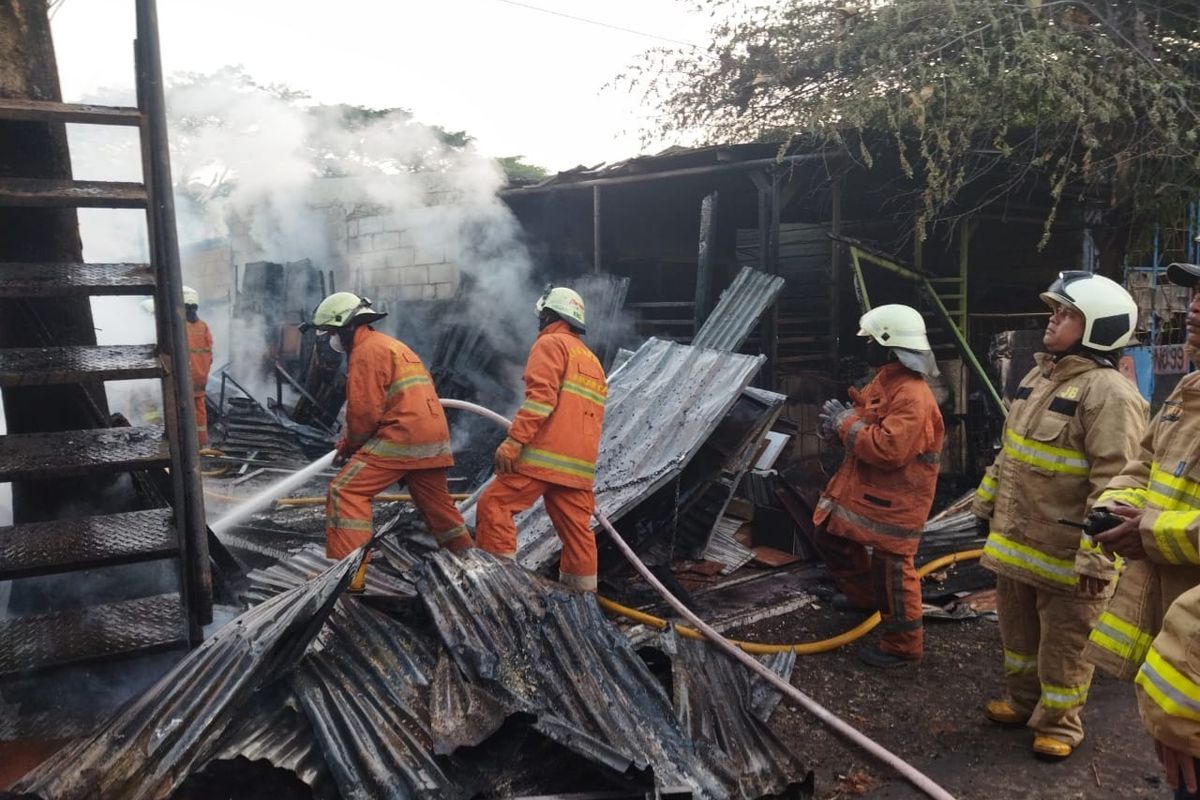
344	451
506	456
833	413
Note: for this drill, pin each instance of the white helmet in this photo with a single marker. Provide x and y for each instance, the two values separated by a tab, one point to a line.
336	311
894	325
566	303
190	296
1109	313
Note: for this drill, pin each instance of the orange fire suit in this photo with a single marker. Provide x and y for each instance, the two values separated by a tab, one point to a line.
1070	430
558	427
395	430
200	359
880	499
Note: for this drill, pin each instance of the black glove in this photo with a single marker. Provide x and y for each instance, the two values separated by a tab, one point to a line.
983	526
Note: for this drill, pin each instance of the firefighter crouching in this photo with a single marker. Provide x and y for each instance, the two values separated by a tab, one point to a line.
1150	631
1073	424
870	517
395	430
552	444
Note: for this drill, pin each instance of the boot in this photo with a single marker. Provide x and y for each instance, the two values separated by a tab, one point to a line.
841	602
1002	712
1049	748
873	656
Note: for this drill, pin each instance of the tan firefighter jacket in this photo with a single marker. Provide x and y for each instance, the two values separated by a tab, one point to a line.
1164	479
1168	682
1070	430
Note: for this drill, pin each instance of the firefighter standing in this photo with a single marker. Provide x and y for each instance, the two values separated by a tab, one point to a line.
1072	426
200	358
870	517
552	444
1148	633
395	430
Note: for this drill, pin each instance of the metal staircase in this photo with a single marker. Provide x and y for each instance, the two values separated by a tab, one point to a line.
175	531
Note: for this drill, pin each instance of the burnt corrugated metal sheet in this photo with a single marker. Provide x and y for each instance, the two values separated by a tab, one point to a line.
156	740
446	695
739	309
663	404
608	327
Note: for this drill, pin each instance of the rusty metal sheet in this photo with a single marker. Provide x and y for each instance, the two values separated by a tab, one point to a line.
39	548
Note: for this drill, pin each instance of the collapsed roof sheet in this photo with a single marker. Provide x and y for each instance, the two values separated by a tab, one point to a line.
444	696
739	309
663	403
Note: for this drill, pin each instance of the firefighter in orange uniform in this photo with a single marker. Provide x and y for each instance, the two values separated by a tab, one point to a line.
200	358
395	430
870	517
552	444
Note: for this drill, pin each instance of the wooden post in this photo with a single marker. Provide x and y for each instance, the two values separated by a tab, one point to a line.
597	239
835	275
704	260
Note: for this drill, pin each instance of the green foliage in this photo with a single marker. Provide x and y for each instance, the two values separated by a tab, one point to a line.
518	171
1093	100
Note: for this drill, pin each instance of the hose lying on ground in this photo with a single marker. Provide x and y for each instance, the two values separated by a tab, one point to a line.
843	728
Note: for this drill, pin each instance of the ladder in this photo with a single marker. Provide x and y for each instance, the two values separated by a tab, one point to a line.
176	530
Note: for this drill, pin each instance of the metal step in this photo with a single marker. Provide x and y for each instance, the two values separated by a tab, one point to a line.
42	193
30	456
23	110
41	366
20	279
44	548
99	633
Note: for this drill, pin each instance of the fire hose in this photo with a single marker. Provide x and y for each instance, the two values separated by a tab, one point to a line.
703	630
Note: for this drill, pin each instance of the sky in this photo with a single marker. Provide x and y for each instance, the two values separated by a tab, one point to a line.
521	81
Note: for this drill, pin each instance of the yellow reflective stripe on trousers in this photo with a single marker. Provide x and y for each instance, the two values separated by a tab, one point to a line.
558	463
1024	557
1055	459
1063	696
385	449
534	407
333	512
1171	536
1018	663
1169	688
453	533
347	524
199	350
987	489
1120	638
584	392
404	383
1129	497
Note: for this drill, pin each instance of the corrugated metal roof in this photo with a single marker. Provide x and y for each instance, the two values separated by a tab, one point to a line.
739	309
441	696
662	405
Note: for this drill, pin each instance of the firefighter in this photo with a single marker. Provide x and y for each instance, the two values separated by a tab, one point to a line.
870	517
200	358
552	444
1073	424
1148	631
395	430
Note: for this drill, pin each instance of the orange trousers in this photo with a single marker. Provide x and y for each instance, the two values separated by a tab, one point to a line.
570	510
201	419
880	580
348	505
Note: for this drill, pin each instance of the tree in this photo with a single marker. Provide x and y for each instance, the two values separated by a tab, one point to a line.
1096	101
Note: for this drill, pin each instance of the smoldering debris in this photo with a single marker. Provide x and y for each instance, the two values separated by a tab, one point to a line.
486	676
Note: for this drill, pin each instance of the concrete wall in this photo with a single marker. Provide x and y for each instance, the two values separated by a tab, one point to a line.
385	262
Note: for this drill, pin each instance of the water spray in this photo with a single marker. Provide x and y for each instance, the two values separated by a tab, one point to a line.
267	496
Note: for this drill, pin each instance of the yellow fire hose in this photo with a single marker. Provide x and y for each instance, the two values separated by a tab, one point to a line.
801	648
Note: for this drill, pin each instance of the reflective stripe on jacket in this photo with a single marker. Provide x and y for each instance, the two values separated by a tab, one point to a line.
1164	479
882	493
1070	430
392	409
1168	681
200	355
559	422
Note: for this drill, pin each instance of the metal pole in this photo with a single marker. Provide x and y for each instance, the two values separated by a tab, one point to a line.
184	447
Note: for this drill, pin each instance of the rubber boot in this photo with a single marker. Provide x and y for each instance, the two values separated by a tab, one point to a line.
1002	712
1050	749
841	602
873	656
